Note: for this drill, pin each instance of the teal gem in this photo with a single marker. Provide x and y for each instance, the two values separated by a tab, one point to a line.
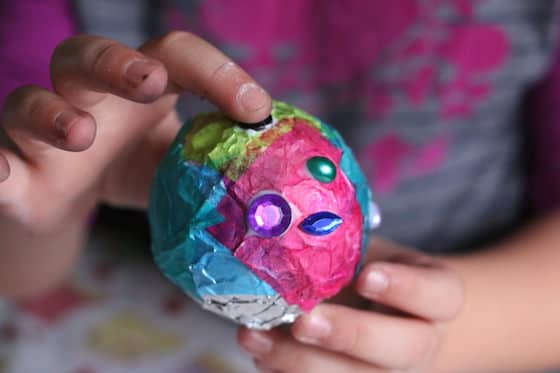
322	169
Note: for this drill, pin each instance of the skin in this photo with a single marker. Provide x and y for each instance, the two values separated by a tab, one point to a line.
415	298
511	302
98	138
507	323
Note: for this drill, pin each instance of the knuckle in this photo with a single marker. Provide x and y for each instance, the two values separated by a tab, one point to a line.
73	49
40	222
62	48
33	106
21	100
23	215
348	343
104	52
286	358
432	342
228	68
407	285
460	295
29	106
66	43
230	74
173	38
38	219
455	296
423	348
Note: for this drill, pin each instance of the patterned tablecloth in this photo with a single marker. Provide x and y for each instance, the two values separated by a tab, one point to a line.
116	314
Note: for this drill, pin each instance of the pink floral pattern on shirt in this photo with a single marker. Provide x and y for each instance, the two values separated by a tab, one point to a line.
375	58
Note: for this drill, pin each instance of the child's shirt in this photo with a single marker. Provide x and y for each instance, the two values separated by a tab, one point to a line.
429	94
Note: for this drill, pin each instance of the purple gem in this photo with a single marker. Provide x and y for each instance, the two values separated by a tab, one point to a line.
269	215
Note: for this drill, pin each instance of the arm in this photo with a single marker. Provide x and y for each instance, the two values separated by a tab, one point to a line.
513	289
32	263
511	318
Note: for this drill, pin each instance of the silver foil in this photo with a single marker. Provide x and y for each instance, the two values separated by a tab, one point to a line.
252	311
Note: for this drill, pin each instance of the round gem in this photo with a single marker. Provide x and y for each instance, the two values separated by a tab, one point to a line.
269	215
322	169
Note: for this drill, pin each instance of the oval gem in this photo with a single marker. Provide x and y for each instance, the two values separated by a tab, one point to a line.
321	223
269	215
322	169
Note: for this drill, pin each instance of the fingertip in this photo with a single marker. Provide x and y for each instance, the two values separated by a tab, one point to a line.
253	102
4	168
147	79
298	327
312	327
373	282
154	85
256	342
243	335
241	331
78	134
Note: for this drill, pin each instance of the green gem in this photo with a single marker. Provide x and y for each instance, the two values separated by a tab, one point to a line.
322	169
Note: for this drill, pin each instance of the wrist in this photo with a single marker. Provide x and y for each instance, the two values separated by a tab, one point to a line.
32	263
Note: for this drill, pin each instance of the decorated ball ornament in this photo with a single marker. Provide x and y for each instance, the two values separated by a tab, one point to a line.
260	223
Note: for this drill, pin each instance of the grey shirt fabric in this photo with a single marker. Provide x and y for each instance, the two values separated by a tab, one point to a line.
478	192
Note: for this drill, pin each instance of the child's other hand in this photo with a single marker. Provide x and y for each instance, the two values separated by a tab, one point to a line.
101	134
414	296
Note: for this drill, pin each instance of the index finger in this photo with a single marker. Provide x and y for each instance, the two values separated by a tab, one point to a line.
196	66
85	68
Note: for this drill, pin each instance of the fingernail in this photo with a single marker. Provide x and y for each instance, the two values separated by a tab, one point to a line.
257	343
376	282
312	328
64	122
138	71
252	97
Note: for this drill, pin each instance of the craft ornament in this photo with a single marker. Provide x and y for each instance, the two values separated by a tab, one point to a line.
260	223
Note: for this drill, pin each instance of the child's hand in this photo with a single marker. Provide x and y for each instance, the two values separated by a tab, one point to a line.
100	136
414	297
